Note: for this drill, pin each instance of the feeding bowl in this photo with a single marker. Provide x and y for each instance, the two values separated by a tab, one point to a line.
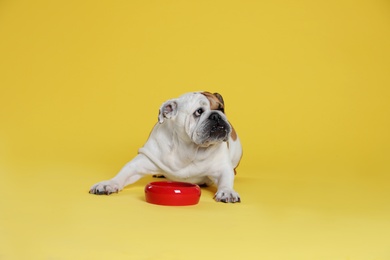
172	193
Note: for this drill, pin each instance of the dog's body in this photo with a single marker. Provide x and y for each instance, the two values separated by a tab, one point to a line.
192	142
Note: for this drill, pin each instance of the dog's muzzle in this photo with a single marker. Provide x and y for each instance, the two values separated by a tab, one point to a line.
218	127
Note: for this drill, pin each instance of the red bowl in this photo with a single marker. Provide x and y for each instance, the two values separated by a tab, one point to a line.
172	193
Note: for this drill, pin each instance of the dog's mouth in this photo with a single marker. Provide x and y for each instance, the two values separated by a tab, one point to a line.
219	132
213	133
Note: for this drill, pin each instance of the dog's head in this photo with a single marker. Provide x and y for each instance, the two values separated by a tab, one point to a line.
198	116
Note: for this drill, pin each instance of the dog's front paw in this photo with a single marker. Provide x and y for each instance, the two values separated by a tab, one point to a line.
105	188
227	195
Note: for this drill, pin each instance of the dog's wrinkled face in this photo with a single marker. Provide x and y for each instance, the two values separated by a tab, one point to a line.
198	116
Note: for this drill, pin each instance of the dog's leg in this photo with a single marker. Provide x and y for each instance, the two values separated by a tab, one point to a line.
225	192
130	173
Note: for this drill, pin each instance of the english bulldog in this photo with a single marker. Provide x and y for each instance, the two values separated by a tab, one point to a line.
192	142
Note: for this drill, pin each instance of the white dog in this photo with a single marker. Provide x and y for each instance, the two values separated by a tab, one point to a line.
192	142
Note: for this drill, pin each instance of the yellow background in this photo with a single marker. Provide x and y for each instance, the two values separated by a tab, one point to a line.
306	85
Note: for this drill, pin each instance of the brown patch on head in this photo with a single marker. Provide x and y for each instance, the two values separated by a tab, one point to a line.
216	101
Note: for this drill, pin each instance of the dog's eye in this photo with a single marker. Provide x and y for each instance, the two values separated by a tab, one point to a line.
199	112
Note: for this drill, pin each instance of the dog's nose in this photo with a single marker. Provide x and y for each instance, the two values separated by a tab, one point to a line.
215	116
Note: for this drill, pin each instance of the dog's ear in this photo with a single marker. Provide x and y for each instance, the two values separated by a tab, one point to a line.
167	110
222	103
216	101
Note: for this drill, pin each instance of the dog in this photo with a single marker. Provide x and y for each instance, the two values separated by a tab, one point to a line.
192	142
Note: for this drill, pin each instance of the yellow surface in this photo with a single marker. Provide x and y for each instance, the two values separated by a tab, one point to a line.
306	85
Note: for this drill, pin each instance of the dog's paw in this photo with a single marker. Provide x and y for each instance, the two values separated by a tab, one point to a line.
227	195
105	188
